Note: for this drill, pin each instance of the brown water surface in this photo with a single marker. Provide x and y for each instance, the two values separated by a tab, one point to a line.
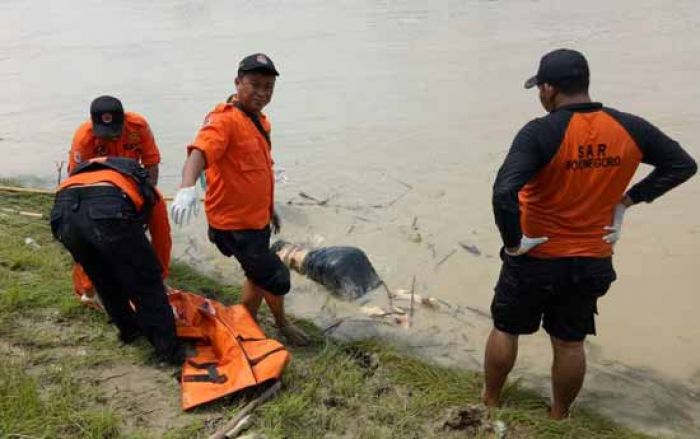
409	107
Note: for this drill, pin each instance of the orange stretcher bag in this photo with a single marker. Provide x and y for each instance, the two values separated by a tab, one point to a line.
232	351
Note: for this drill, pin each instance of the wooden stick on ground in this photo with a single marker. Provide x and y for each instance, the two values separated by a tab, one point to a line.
413	292
23	213
242	425
30	190
223	432
26	189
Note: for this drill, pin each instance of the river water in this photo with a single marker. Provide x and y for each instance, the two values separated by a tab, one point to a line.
398	113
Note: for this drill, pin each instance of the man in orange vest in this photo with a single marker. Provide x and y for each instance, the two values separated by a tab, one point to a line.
111	132
559	200
99	216
234	148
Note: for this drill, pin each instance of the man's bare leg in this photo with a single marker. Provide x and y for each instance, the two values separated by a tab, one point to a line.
252	297
501	352
568	372
294	334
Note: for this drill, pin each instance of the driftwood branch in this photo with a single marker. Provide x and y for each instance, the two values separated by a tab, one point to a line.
389	296
252	405
446	257
242	425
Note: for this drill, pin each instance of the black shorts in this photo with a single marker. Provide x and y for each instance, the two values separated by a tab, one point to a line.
252	250
562	293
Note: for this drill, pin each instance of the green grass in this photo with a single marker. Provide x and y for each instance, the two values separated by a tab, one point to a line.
56	356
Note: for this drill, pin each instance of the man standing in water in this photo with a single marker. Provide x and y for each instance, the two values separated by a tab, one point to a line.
559	200
234	147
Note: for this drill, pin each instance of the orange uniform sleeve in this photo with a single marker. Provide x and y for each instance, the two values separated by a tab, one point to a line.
212	138
150	155
82	147
159	228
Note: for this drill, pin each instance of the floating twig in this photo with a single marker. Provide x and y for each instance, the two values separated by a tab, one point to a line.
478	312
392	202
314	199
446	257
471	248
389	296
413	291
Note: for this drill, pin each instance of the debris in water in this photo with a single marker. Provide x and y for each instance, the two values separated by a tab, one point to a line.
314	199
471	248
446	257
375	311
430	302
415	236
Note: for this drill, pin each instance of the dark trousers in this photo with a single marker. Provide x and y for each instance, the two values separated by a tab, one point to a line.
103	232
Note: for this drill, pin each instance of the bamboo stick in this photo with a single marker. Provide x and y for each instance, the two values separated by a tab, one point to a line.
252	405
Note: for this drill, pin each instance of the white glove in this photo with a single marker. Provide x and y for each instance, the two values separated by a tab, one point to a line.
527	244
616	228
184	205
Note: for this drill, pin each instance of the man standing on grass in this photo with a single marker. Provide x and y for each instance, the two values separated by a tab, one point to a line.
234	147
559	200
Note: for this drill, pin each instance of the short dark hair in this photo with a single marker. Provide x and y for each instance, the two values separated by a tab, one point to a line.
573	86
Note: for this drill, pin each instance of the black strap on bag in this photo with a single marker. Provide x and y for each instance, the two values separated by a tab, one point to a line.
212	376
256	121
130	168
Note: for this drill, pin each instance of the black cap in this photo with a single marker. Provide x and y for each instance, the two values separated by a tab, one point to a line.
258	62
560	66
107	116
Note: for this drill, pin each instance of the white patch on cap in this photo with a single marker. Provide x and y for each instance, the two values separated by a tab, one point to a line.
261	59
77	157
106	118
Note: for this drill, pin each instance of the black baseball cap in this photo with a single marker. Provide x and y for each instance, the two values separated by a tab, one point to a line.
257	62
560	66
107	116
